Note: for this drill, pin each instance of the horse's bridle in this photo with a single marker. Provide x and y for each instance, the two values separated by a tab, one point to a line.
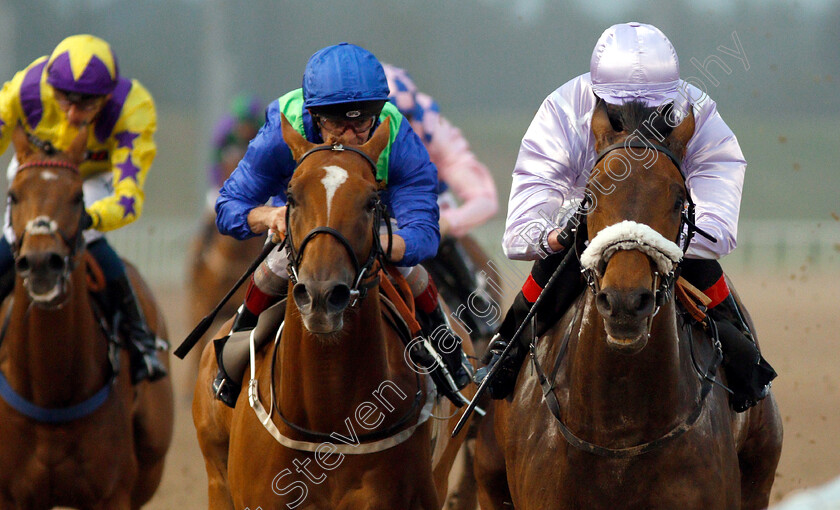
663	283
359	289
44	225
663	293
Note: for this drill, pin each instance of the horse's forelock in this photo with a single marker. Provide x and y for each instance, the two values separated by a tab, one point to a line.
635	117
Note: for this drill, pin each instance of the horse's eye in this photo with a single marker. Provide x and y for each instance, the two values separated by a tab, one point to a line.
290	201
371	204
13	198
78	199
678	204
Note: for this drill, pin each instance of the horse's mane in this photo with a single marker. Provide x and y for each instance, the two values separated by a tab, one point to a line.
636	116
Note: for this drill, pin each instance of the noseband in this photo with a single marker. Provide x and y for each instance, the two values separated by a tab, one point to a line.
644	238
44	225
359	290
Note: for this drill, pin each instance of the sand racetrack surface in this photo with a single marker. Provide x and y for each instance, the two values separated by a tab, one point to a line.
798	320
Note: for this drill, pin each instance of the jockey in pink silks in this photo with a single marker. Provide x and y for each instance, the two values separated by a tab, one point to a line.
630	62
466	194
459	171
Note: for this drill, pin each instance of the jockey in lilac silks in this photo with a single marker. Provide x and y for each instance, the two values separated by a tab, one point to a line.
631	61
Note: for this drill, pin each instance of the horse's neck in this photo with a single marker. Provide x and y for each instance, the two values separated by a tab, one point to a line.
55	357
229	247
611	392
322	382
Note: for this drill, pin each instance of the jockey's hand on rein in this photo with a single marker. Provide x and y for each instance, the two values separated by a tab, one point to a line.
563	239
264	218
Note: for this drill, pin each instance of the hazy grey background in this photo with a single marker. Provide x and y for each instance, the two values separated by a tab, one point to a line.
489	63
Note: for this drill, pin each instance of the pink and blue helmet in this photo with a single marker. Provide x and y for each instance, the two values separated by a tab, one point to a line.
403	91
83	64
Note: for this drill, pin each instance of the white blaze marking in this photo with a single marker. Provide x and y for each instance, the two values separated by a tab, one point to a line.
48	175
335	177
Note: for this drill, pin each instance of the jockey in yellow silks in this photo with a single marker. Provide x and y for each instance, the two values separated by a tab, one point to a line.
78	87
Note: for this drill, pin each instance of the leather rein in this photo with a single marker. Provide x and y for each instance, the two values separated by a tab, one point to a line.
43	225
361	271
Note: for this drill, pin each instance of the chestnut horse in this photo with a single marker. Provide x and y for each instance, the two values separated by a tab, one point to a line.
620	411
349	426
76	432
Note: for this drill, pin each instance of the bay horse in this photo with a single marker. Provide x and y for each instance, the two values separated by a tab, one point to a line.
620	411
75	431
349	426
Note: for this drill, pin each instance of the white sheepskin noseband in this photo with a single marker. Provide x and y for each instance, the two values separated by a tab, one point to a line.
629	235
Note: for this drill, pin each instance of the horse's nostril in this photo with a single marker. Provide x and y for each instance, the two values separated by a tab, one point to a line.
55	262
602	302
338	298
644	304
22	265
301	295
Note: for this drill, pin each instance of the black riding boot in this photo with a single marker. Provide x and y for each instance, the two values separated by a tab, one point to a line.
224	387
747	372
552	308
143	349
245	319
435	328
505	379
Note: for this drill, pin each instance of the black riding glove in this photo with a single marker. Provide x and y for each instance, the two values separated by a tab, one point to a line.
87	220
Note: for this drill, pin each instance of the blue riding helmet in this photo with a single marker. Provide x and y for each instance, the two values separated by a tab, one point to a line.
343	74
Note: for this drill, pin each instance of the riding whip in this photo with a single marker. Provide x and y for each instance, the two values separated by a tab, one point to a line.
515	338
207	321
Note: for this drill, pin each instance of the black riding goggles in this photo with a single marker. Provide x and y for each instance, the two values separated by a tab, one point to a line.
359	124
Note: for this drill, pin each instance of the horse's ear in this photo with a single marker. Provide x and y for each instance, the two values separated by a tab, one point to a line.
78	147
296	142
378	141
601	126
681	134
23	149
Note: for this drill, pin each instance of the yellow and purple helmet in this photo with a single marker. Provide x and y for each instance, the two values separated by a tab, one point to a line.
83	64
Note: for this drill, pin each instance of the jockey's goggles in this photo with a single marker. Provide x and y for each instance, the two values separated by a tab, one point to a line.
84	102
359	124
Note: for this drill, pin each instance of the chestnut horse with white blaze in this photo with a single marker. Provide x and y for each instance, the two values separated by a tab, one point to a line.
76	432
349	427
620	410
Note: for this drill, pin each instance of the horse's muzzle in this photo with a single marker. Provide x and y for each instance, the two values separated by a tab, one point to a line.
45	275
626	316
322	305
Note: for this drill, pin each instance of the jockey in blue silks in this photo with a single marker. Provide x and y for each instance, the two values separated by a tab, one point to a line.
344	98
